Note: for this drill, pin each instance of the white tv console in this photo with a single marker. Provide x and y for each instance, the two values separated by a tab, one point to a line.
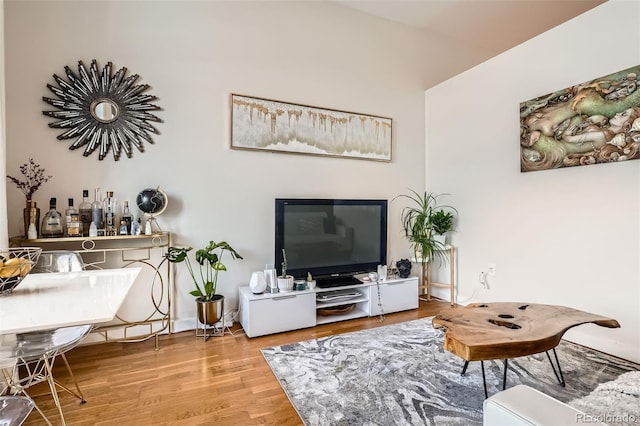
269	313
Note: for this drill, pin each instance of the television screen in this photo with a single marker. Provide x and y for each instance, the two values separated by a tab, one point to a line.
331	239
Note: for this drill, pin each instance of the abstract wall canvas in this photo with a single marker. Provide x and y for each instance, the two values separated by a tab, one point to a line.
269	125
594	122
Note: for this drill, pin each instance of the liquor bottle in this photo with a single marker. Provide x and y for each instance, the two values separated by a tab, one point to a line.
52	222
110	208
85	212
127	217
135	227
96	212
72	222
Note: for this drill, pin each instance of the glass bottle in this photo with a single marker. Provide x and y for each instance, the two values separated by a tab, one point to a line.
127	217
110	208
72	222
135	227
85	212
52	222
96	212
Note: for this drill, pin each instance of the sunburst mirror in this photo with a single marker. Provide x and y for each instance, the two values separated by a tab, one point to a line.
102	111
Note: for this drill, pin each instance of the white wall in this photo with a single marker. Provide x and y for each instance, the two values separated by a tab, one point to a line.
568	236
194	54
3	196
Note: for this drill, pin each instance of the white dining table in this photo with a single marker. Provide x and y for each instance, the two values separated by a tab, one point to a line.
52	300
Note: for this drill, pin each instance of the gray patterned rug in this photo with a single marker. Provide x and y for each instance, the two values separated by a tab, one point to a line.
400	375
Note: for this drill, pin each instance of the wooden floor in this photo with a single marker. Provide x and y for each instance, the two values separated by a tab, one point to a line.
224	381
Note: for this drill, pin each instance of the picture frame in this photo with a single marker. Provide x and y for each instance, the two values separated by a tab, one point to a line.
594	122
275	126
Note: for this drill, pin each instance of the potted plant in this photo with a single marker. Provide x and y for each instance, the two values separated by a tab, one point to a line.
209	259
285	282
442	223
419	225
34	177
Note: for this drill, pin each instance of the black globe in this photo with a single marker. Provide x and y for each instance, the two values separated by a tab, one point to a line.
151	201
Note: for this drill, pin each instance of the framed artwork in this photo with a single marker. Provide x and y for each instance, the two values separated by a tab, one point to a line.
594	122
276	126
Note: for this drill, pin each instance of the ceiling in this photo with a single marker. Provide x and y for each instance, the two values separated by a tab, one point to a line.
493	25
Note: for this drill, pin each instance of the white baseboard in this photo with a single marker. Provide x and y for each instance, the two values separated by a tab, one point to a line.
186	324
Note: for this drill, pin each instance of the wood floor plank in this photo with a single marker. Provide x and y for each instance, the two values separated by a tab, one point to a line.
223	381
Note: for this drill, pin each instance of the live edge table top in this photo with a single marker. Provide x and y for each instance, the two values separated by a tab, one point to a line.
485	331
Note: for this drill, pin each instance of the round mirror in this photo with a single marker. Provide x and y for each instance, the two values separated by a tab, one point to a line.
104	110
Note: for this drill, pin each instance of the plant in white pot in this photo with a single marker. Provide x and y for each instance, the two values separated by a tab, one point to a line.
442	223
285	282
209	259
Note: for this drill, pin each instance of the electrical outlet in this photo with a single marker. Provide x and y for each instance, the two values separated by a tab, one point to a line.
491	269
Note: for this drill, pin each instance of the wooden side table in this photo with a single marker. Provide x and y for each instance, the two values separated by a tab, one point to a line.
427	283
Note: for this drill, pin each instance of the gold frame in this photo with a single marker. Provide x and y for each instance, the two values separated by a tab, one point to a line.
260	124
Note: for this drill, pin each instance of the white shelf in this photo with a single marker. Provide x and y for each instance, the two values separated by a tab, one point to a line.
326	319
340	302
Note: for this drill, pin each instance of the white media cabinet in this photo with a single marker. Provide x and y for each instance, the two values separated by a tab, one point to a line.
270	313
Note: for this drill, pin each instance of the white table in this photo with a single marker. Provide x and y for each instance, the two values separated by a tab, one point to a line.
46	301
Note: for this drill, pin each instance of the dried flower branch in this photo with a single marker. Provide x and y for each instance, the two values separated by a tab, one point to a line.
34	177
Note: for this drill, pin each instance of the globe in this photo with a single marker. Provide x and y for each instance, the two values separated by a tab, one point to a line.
152	201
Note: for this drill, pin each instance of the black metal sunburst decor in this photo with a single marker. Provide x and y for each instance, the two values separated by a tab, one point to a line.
103	111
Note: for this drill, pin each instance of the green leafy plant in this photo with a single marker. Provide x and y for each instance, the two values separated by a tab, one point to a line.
209	260
418	223
442	222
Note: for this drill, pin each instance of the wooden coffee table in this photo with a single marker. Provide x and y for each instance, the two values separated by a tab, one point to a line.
503	330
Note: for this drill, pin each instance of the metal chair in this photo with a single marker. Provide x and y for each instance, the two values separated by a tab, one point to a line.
14	410
58	261
35	352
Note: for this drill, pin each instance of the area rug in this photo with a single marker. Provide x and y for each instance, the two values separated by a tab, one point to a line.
615	402
400	375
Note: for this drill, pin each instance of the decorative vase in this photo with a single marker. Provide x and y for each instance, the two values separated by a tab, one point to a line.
31	214
285	284
258	284
210	312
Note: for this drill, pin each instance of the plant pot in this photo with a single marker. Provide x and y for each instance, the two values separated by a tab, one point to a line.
285	284
210	312
441	238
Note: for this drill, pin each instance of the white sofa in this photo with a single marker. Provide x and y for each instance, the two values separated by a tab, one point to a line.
615	402
523	405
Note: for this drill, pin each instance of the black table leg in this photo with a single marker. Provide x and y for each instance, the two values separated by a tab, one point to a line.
504	376
484	380
464	368
557	373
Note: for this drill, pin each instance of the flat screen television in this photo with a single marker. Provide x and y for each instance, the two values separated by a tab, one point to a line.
331	239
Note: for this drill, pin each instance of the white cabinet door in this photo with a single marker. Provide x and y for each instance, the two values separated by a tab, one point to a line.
277	313
395	295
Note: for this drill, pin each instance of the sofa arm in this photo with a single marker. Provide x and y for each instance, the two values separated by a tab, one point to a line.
523	405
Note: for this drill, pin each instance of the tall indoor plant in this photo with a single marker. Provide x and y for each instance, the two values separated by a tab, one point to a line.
420	227
209	259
